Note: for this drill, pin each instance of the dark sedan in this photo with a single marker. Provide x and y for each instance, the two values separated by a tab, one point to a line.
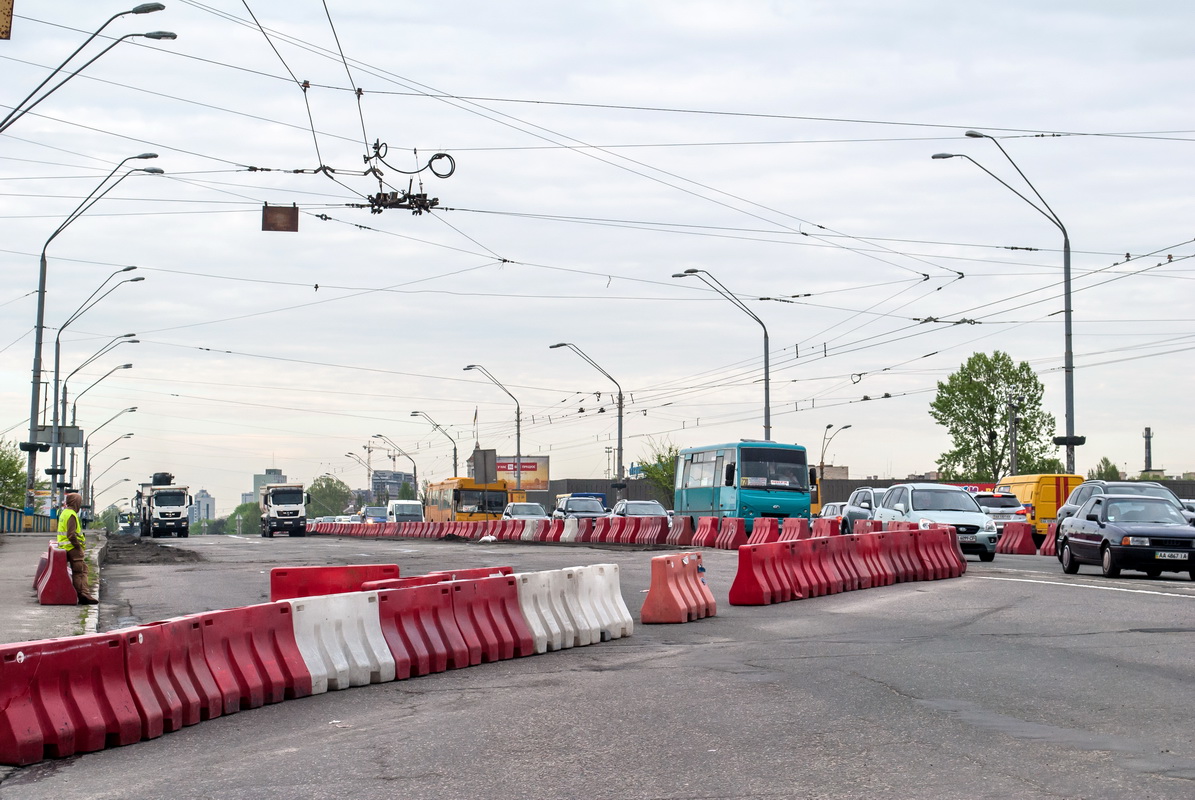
1135	532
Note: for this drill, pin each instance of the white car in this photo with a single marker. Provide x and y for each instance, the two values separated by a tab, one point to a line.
930	504
638	508
524	511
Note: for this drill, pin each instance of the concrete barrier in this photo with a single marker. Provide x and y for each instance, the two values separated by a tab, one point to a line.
340	639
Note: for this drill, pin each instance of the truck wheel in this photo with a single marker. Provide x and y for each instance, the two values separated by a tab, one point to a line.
184	534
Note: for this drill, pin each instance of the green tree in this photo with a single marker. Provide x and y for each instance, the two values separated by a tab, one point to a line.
109	519
424	486
1105	470
329	497
12	475
246	517
972	404
406	491
659	469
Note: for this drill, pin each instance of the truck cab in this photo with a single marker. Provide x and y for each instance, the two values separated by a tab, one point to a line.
283	509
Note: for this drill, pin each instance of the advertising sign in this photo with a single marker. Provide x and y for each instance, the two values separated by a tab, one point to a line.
535	472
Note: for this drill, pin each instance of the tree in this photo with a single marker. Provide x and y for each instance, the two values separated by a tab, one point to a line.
973	403
12	476
245	520
659	469
109	519
406	491
1104	471
329	497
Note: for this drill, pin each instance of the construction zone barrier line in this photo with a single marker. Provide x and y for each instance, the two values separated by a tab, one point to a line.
677	592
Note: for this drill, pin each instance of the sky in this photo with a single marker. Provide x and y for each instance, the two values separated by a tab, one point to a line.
598	149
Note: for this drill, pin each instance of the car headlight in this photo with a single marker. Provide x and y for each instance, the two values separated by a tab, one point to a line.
990	525
1135	541
925	523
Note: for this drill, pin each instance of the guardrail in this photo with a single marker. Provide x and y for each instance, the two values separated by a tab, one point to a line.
12	520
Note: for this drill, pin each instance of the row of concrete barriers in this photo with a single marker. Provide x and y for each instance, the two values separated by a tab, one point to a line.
615	530
85	693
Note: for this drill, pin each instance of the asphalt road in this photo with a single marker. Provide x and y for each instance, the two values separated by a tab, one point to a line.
1012	681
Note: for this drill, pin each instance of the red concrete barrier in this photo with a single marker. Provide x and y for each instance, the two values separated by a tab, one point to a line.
883	572
868	526
681	532
809	555
677	592
287	583
400	583
762	578
64	696
490	620
732	535
421	630
861	562
765	529
1049	546
55	587
826	526
630	531
795	528
253	656
42	563
168	674
555	530
601	530
1017	539
929	550
707	532
841	553
652	530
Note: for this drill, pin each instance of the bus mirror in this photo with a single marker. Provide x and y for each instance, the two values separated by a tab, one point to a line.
813	476
730	474
456	495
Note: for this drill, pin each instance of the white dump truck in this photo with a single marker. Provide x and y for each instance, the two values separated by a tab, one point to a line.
164	507
283	508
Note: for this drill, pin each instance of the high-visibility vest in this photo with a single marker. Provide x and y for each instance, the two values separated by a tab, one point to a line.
64	517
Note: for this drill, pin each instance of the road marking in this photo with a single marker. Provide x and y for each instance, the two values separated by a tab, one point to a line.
1087	586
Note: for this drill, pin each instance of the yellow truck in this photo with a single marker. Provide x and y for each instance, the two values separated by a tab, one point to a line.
1041	496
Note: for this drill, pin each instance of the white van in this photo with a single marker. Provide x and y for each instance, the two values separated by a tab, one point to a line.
404	511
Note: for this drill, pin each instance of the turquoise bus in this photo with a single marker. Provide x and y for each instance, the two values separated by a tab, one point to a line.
748	479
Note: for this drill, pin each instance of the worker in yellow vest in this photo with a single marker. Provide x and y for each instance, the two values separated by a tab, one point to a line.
71	539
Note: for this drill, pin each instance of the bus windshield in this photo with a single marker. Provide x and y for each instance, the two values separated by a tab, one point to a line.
766	468
477	501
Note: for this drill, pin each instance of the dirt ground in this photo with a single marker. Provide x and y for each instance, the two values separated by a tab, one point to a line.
124	548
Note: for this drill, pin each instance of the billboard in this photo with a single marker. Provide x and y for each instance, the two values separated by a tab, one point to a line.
535	472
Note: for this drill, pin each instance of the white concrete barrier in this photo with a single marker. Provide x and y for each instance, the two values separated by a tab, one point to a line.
582	616
601	591
570	530
340	639
530	527
535	601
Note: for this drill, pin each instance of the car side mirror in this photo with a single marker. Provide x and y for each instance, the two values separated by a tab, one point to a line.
899	507
864	504
1093	517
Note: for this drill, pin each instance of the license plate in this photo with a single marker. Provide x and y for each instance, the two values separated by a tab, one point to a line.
1171	556
966	537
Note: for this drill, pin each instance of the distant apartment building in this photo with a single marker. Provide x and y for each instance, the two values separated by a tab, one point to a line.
203	507
271	475
388	483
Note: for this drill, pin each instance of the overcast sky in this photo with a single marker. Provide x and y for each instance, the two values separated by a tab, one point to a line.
599	148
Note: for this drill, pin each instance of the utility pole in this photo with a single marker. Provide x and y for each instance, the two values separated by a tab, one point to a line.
1149	453
1014	406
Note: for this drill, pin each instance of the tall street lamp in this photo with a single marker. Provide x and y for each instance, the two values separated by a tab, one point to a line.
518	424
1070	440
827	437
110	466
401	452
455	470
20	109
712	282
32	445
368	472
75	405
106	488
59	454
594	364
86	443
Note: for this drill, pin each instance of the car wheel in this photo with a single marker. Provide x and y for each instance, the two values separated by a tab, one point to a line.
1110	568
1069	565
986	556
1153	573
846	527
1192	574
1058	547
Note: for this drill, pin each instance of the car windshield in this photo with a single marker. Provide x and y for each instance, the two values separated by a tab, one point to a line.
645	508
374	511
1144	510
527	509
943	500
585	505
831	510
988	501
1145	490
765	468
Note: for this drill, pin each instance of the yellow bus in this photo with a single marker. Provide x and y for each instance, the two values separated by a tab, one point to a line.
464	499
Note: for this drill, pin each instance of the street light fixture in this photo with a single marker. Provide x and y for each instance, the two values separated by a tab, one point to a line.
1070	440
20	109
455	469
114	441
594	364
827	437
518	424
401	452
106	488
712	282
39	328
86	457
110	466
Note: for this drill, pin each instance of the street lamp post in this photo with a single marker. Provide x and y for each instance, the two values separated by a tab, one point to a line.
594	364
368	472
1070	440
20	109
86	462
401	452
106	488
110	466
58	449
712	282
75	408
441	430
39	328
827	437
518	424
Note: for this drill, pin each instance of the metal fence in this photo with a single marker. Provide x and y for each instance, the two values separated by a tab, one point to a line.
12	520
